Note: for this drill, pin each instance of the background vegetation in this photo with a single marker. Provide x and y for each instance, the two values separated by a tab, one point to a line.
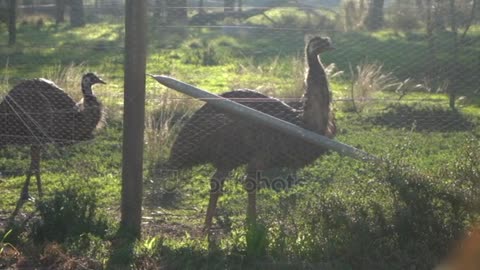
393	94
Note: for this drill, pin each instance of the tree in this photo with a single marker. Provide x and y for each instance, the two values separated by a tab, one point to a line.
420	7
77	17
177	12
455	54
430	25
12	22
200	7
470	19
159	11
374	19
228	7
60	11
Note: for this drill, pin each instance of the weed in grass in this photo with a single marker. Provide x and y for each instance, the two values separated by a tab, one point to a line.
8	252
69	213
206	52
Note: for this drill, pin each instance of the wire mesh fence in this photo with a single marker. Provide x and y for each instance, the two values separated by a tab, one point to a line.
394	77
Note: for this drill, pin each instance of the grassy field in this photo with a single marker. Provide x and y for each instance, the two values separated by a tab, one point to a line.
339	214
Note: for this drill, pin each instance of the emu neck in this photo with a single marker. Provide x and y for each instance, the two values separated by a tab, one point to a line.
87	90
88	116
316	112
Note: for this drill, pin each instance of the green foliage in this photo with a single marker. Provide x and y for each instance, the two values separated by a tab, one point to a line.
4	244
8	252
256	240
69	213
397	219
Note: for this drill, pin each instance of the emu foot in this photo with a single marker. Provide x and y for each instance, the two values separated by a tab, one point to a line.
25	196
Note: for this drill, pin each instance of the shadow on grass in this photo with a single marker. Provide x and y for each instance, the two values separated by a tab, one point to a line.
422	118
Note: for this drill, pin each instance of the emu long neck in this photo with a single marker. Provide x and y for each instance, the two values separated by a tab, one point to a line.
87	89
316	112
88	116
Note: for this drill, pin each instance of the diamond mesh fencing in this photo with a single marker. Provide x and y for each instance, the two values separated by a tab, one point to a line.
383	76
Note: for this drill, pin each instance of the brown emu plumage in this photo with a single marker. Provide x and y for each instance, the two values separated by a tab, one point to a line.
227	142
37	112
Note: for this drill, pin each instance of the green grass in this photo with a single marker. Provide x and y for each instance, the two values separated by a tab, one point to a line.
338	208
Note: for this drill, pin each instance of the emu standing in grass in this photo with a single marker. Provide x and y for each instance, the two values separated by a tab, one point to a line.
227	142
37	112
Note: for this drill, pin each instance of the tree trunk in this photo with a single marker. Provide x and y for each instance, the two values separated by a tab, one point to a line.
200	7
60	11
470	20
240	6
452	91
12	22
77	17
420	8
228	7
177	12
157	9
439	16
374	19
431	39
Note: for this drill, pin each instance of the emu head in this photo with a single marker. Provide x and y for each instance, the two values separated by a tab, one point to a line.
88	80
317	45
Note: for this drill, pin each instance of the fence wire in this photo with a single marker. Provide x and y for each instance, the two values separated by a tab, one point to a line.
394	73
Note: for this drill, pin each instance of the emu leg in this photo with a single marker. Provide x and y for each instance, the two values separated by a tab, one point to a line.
35	155
24	194
251	186
216	188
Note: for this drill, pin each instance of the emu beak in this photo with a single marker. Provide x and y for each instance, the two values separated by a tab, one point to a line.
101	81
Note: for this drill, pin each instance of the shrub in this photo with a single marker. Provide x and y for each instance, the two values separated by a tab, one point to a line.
68	213
398	219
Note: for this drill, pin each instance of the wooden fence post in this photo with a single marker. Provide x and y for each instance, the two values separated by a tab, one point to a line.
134	116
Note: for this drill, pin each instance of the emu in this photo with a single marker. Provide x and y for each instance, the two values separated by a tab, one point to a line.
227	142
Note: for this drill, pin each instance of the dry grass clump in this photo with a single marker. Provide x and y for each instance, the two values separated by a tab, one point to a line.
368	79
166	111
